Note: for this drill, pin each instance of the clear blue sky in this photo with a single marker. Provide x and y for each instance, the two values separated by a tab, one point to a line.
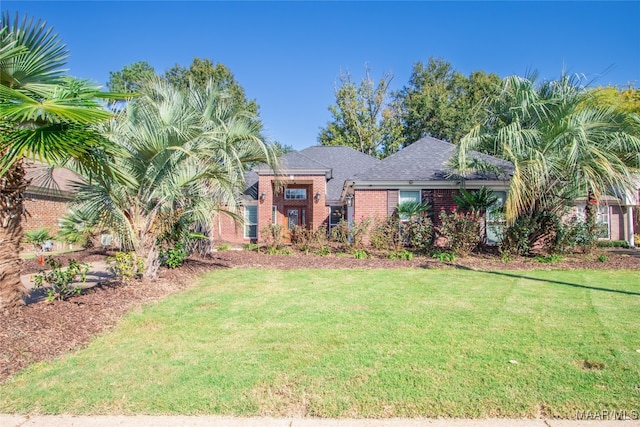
288	55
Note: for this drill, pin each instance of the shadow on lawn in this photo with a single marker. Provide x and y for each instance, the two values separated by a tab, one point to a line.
519	276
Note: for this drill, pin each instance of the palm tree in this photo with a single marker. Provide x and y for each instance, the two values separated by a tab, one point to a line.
561	145
186	156
44	116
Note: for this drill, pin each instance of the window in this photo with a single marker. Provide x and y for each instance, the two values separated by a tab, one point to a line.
337	214
407	196
295	194
604	229
274	214
495	218
251	222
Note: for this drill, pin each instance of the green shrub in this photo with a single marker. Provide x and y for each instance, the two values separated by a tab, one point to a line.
385	234
418	233
273	235
401	255
603	258
251	247
613	244
548	259
444	256
278	251
360	254
126	266
223	247
37	237
173	257
353	235
307	240
323	251
528	231
576	233
59	280
461	230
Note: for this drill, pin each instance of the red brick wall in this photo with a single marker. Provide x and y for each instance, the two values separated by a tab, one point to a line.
43	212
369	204
316	212
226	230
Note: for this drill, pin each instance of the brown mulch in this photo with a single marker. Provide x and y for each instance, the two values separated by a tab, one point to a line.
43	331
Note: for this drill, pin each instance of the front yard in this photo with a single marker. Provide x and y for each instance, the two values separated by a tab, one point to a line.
360	343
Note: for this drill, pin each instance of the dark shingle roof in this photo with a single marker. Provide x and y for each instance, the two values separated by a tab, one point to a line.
344	162
426	160
339	163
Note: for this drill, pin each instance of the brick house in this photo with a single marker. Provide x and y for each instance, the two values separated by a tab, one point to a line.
320	185
47	197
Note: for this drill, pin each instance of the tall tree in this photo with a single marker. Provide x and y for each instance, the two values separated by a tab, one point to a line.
361	119
130	78
443	103
562	146
202	71
187	150
43	116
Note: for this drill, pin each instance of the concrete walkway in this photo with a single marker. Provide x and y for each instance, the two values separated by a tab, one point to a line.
98	273
188	421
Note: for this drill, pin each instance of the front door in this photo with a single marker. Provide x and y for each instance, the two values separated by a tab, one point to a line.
295	218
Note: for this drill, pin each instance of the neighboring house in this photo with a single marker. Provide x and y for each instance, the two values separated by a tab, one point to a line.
46	198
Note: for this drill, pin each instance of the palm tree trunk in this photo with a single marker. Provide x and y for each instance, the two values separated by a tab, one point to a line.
12	187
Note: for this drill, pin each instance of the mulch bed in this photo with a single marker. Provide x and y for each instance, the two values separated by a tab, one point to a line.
43	331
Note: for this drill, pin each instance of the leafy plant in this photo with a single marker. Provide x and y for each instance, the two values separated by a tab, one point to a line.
548	259
444	256
613	244
407	210
323	251
126	265
37	238
401	255
77	227
59	280
273	235
418	232
360	254
461	230
350	235
279	251
173	257
251	247
603	258
385	234
223	247
307	240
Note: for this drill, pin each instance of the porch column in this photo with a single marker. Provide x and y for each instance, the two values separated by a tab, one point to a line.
629	227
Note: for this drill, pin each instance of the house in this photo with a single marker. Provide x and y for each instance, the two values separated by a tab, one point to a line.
47	197
320	185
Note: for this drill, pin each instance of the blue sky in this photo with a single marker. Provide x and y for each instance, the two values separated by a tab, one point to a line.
288	55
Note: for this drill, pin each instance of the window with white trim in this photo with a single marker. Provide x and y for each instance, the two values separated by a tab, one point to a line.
274	214
295	194
407	196
496	221
604	226
250	222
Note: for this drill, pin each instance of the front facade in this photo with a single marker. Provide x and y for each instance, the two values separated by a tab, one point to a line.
319	186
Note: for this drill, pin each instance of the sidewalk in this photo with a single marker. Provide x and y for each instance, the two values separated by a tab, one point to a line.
193	421
98	273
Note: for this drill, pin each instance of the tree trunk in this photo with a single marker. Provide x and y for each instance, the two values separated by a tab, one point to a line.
12	187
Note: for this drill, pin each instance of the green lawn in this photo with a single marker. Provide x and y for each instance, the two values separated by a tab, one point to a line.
345	343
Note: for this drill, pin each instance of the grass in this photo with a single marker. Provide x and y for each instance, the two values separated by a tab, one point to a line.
341	343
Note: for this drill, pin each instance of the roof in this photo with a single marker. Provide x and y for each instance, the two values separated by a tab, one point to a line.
57	182
336	162
427	160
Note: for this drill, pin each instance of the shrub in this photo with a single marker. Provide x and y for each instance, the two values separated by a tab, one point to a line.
127	266
528	231
273	235
59	280
307	240
613	244
223	247
603	258
173	257
385	234
548	259
37	238
462	231
353	235
575	233
360	254
323	251
418	233
401	255
278	251
251	247
444	256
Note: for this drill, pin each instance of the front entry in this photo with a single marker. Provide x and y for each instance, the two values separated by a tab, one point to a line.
296	217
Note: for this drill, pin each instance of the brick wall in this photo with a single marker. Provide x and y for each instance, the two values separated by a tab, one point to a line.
43	212
370	204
